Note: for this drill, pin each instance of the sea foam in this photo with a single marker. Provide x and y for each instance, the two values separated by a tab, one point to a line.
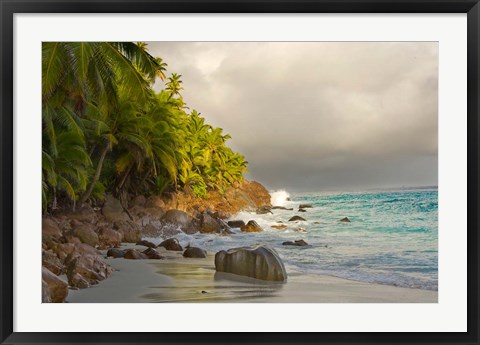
279	198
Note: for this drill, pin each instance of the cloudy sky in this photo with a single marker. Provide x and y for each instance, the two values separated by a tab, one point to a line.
319	115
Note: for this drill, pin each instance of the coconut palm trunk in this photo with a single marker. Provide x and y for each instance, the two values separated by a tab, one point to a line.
96	177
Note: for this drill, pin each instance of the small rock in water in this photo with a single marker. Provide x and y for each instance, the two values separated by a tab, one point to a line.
146	244
298	243
116	253
302	210
345	220
171	244
203	291
281	208
300	230
279	226
295	218
236	223
194	252
226	232
252	226
305	206
264	210
133	254
152	254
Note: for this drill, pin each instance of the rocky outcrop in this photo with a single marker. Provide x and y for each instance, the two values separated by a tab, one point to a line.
296	218
54	288
345	220
260	262
194	252
252	226
247	195
171	244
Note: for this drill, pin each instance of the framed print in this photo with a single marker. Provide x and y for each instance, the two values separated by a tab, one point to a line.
246	172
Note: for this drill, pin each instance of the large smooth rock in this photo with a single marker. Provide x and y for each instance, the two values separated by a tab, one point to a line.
113	210
130	231
57	287
180	219
209	224
109	237
171	244
84	213
155	202
296	218
139	200
260	262
252	226
194	252
86	234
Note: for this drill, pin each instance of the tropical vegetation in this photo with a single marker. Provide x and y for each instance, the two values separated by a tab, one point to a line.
105	130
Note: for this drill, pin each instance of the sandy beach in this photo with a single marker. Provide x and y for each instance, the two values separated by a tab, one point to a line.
178	279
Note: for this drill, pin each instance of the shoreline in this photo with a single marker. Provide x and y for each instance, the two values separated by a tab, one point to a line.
177	279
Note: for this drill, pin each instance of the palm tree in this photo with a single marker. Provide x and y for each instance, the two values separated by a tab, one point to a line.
81	75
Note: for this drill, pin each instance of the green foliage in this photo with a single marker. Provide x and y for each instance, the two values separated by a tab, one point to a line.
106	131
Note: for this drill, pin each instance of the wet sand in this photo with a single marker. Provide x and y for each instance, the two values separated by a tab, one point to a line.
178	279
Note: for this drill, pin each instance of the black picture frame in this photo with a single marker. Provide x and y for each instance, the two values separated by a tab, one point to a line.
9	8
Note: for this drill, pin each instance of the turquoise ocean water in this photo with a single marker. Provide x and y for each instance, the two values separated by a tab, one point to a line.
392	238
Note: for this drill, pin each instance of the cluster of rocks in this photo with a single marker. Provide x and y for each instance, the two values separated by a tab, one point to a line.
71	241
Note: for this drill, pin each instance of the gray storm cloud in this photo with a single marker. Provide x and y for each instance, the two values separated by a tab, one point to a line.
311	116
